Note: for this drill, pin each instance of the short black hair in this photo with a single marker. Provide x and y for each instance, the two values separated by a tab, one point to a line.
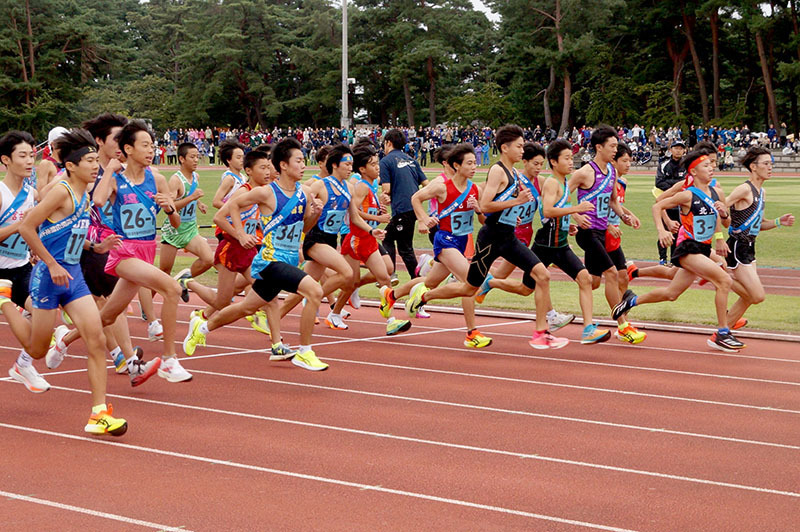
690	157
440	156
396	137
362	141
253	156
706	147
531	150
508	133
227	148
282	151
183	150
752	155
127	135
601	134
335	156
361	156
72	142
322	152
100	126
264	148
623	149
457	154
555	148
12	139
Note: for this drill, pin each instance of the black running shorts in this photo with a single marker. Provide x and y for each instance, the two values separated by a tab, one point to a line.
593	244
277	276
563	257
742	252
491	244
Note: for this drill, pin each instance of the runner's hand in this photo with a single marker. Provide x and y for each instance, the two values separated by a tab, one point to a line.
248	241
164	201
665	238
614	231
202	207
673	226
582	221
722	248
525	195
379	234
109	243
198	193
573	230
585	206
113	166
429	221
787	220
59	275
472	203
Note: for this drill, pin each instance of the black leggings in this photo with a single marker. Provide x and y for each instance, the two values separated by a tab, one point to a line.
492	244
400	233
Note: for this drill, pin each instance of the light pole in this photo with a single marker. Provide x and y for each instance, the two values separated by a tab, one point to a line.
345	89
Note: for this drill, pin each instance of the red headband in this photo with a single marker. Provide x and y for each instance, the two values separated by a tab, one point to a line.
696	162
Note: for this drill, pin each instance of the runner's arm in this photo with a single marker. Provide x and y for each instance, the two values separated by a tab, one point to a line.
494	182
549	197
105	189
164	200
436	189
28	230
224	187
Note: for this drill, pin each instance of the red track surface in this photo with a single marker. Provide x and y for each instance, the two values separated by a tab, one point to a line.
416	432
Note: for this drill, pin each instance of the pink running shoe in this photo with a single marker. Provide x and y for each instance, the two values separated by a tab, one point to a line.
545	340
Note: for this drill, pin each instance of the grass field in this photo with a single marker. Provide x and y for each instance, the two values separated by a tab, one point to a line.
777	248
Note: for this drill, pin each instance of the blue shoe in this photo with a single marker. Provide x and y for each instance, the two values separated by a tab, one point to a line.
484	289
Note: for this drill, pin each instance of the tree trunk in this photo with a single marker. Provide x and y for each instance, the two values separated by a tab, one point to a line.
409	104
795	26
31	62
770	94
688	29
548	118
432	92
714	20
567	102
22	65
678	60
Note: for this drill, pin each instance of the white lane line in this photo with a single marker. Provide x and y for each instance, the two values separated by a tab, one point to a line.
317	478
93	513
588	362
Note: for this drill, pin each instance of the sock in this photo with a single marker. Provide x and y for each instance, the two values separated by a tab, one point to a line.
204	327
622	325
24	360
634	301
635	273
96	409
470	331
305	348
276	346
423	300
724	331
391	292
115	352
551	314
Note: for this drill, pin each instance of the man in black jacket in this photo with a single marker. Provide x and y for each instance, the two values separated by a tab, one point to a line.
669	172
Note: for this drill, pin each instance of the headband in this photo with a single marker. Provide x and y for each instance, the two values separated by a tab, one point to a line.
696	162
75	157
347	159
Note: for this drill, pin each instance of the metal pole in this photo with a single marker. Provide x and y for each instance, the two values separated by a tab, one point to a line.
345	90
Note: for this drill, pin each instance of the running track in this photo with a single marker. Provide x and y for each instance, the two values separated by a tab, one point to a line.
416	432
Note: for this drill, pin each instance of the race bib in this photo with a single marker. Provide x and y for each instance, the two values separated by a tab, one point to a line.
287	237
510	215
603	201
188	213
756	227
373	212
250	226
14	247
137	221
72	253
564	223
333	221
461	222
703	226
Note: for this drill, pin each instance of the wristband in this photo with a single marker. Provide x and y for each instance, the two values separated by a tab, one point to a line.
777	222
170	212
719	235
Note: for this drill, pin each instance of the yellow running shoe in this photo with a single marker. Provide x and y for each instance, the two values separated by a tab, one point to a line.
105	423
259	322
414	301
387	301
630	334
309	361
477	340
194	337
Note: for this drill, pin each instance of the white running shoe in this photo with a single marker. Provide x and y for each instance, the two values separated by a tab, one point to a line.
29	377
355	299
172	370
422	314
335	321
155	331
424	264
55	355
559	320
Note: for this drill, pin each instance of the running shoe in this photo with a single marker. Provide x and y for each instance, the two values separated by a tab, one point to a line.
593	335
422	314
424	265
183	277
662	262
104	423
725	342
199	313
139	371
282	352
344	313
259	322
55	355
120	364
29	377
632	270
395	326
559	320
155	331
387	301
65	318
394	280
309	361
477	340
194	337
741	322
144	316
355	299
625	305
172	370
545	340
335	321
414	301
5	292
484	289
630	334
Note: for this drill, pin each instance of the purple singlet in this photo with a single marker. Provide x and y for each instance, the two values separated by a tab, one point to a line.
599	196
